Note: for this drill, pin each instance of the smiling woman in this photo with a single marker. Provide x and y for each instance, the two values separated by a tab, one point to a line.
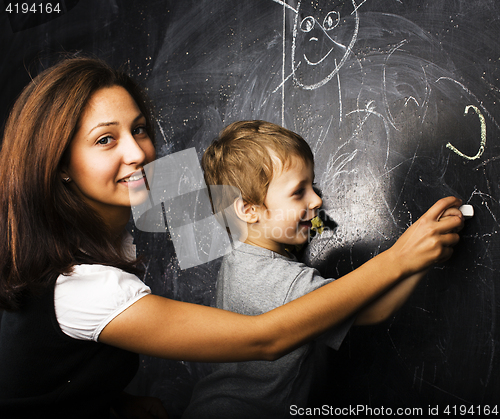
76	313
73	137
111	144
40	205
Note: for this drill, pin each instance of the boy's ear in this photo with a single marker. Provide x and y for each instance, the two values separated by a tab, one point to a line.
246	212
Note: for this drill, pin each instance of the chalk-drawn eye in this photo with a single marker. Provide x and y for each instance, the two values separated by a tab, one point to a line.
331	21
307	24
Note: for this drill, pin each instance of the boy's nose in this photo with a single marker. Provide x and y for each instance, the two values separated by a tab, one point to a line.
316	202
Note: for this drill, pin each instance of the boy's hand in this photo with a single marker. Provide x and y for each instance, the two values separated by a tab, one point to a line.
431	239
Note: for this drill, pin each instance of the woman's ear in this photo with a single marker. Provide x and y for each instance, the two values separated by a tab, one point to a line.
246	212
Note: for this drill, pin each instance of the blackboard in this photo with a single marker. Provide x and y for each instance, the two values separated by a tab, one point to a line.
398	100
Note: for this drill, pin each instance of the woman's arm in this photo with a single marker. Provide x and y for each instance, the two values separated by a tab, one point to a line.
390	302
172	329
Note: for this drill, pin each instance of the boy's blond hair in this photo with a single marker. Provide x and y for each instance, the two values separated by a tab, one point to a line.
242	157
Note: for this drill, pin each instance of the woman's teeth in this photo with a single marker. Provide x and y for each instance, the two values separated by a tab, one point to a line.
133	178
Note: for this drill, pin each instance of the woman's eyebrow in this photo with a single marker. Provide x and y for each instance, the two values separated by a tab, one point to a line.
107	124
103	124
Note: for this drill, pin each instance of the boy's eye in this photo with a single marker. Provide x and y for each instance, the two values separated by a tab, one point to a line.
299	192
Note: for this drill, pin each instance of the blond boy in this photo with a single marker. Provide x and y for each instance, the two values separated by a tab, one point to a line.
273	168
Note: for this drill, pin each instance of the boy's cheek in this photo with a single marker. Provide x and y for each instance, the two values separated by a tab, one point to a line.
278	216
292	233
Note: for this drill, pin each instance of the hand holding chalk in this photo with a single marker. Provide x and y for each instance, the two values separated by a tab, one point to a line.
467	211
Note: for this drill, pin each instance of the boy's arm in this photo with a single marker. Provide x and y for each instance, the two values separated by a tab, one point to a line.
392	300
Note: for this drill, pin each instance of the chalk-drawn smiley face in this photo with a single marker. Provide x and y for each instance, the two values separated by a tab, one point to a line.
323	37
315	55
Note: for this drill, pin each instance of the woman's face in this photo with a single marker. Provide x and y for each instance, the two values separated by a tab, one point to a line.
110	145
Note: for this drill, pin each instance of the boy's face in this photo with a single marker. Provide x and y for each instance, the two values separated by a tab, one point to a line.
290	204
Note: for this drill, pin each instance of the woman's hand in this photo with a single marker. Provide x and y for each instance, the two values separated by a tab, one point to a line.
453	212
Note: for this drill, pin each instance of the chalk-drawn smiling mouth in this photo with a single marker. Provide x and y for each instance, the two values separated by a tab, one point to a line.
314	39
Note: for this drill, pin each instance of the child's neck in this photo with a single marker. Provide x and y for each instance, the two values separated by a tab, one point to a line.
273	246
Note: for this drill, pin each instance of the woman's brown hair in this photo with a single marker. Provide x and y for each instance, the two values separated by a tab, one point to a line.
45	227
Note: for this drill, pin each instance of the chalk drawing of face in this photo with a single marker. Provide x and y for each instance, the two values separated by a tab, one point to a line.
324	34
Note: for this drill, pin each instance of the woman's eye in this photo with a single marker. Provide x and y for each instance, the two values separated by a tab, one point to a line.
140	130
105	140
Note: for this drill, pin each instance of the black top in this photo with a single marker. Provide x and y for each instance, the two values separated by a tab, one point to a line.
45	373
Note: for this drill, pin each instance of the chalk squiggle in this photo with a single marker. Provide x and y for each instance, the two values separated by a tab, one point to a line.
483	136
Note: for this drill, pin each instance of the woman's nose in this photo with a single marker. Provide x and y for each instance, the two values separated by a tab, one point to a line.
132	151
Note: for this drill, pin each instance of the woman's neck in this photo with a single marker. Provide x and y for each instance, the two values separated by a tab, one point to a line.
116	223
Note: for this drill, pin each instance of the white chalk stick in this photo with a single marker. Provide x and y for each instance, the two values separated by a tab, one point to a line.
467	211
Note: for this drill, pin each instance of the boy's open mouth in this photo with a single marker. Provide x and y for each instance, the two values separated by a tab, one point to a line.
306	223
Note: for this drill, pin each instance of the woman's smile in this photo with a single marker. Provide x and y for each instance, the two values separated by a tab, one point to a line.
135	180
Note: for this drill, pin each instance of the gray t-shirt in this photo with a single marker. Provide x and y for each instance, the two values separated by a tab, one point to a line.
252	281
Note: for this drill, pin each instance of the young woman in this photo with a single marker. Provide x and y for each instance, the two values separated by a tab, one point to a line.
76	313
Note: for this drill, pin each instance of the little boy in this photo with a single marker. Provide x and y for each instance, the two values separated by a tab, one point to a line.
273	168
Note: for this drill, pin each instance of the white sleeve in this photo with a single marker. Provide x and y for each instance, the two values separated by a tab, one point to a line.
91	296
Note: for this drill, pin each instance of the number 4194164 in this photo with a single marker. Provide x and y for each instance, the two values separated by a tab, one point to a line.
33	8
479	410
